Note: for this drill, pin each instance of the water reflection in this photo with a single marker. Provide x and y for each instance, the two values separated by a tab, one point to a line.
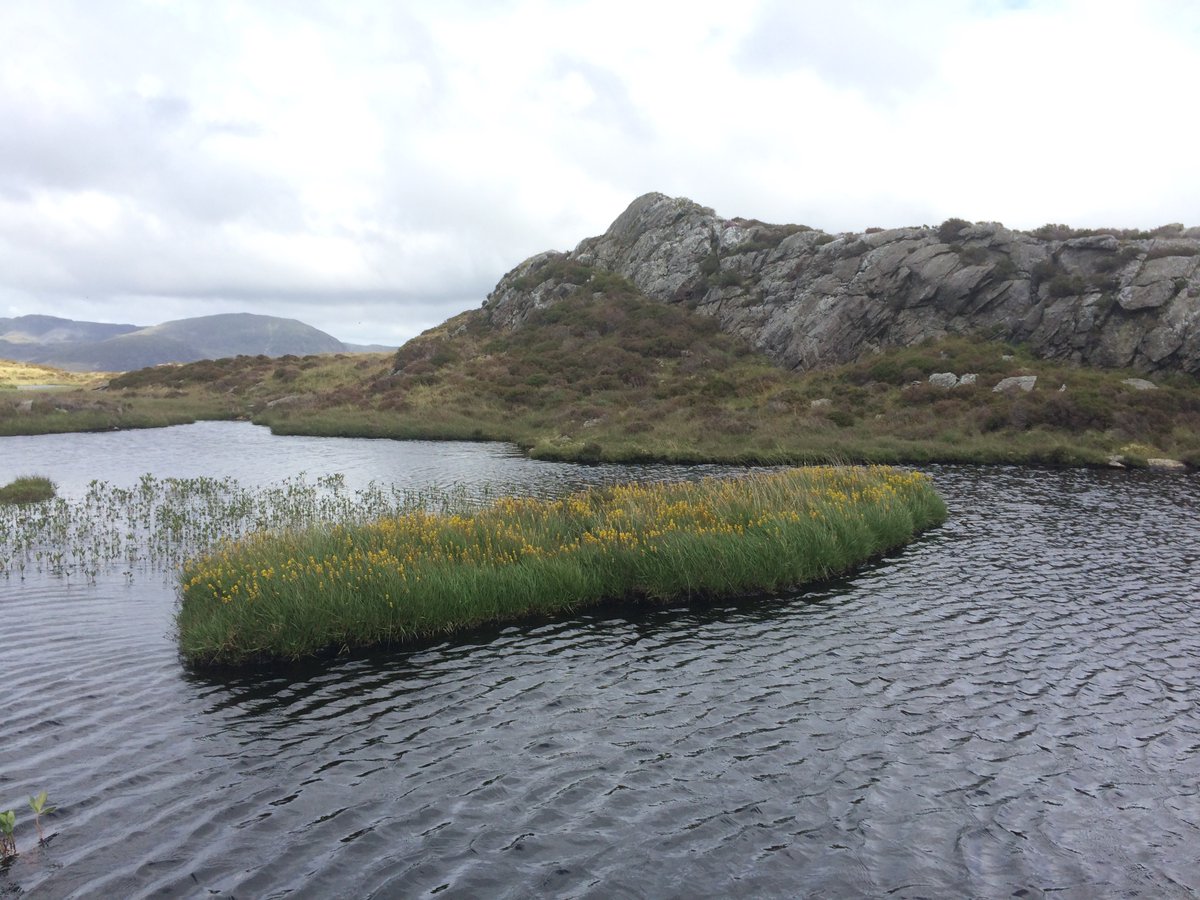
254	457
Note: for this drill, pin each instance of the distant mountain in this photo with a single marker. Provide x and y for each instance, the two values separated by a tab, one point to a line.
101	347
53	330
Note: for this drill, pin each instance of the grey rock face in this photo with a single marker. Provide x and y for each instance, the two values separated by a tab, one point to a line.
943	379
1015	383
807	298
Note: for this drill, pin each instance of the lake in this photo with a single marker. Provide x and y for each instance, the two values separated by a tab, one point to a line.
1007	707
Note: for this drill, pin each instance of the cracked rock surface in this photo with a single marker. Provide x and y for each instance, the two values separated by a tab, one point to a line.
808	298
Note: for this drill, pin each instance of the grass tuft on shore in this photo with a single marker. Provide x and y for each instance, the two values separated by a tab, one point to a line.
419	575
27	489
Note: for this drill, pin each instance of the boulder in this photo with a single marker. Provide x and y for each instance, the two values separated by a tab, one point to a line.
943	379
1166	465
1140	384
1015	383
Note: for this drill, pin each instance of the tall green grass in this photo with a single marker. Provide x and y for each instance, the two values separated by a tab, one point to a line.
27	489
418	575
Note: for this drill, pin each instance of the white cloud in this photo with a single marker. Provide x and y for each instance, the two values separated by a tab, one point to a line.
304	159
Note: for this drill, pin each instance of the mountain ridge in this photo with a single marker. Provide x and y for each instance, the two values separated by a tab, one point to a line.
96	346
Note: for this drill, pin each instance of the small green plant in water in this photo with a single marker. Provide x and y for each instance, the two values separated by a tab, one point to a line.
8	844
39	807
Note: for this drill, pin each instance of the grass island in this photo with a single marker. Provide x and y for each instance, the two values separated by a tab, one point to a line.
286	596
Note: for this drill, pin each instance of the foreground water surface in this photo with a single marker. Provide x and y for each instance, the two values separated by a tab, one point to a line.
1008	707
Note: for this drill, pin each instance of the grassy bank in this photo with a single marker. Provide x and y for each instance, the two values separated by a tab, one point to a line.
27	489
419	575
623	379
232	388
62	412
615	377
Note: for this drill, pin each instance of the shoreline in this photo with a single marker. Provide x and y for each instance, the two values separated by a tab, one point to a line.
1053	454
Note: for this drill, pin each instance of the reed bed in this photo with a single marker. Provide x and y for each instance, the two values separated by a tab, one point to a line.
156	523
422	574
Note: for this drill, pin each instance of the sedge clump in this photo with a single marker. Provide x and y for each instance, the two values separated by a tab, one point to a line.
27	489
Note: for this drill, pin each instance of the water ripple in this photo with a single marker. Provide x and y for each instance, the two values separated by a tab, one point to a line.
1007	707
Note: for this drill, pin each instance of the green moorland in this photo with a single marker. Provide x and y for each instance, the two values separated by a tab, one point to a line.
25	374
417	575
609	375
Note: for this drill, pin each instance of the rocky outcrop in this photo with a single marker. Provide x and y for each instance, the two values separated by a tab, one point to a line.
808	298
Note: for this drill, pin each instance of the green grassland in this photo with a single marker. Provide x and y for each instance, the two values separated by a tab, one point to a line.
609	375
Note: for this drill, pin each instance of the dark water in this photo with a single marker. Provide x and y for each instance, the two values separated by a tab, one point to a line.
1009	707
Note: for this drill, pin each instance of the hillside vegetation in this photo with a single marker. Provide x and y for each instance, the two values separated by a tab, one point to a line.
617	377
16	374
609	375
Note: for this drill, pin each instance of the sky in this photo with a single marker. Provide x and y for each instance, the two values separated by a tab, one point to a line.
372	167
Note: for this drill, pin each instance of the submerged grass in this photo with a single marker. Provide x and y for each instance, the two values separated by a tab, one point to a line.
421	574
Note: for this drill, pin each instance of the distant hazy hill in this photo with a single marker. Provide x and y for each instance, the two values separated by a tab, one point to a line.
100	347
53	330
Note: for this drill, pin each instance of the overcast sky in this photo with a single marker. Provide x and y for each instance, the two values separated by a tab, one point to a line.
372	168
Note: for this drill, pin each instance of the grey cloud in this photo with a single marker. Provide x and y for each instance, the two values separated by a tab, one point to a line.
168	109
611	106
851	44
147	151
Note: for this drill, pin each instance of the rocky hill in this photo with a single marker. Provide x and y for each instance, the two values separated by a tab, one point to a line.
98	347
1109	298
